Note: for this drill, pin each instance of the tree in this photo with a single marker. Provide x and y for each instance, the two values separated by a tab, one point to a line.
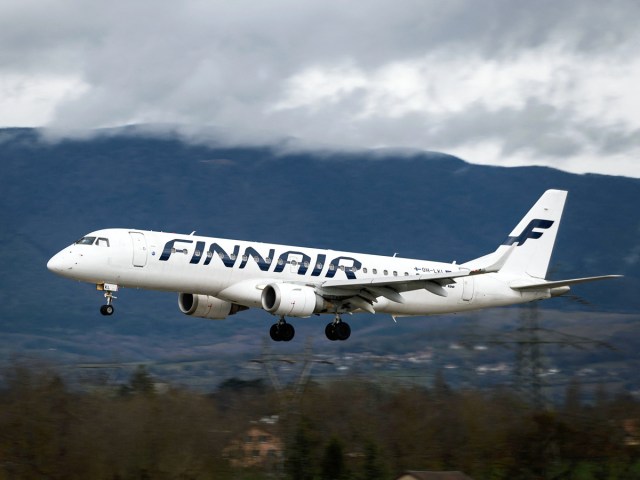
333	466
141	382
299	462
372	468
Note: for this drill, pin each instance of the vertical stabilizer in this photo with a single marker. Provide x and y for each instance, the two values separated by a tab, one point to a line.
535	236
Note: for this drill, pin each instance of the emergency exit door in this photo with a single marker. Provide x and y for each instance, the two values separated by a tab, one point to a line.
139	249
467	289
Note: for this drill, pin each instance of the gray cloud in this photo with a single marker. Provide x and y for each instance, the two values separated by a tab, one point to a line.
226	64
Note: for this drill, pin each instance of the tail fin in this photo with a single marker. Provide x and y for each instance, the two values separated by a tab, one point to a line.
535	236
531	242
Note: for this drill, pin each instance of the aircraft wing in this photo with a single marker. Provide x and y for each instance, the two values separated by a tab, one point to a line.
364	293
399	284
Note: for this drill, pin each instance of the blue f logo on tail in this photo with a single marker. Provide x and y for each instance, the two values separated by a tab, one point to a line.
529	232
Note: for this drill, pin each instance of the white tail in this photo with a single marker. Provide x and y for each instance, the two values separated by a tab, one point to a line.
531	242
535	236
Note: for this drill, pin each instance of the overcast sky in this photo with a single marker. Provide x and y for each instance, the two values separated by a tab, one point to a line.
500	82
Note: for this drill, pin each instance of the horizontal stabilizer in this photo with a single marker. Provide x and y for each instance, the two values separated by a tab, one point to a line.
528	285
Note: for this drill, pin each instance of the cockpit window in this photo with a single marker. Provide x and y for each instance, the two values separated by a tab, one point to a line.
102	242
86	241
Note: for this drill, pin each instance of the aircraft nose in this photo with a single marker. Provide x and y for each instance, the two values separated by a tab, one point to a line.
59	263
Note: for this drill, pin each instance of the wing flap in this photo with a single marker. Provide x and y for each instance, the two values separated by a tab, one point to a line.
386	292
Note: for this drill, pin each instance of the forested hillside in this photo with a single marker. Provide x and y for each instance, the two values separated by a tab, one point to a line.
350	429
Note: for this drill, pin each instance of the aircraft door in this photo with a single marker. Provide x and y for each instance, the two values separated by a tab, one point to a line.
139	249
467	289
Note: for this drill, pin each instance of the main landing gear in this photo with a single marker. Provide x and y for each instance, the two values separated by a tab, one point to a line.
108	294
282	331
337	330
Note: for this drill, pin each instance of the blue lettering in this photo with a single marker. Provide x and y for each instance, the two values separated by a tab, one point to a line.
349	270
317	269
251	252
348	265
528	232
169	247
197	253
228	260
284	258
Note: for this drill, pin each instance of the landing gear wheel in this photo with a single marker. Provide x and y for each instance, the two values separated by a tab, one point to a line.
106	310
282	331
337	330
274	332
342	331
330	331
287	332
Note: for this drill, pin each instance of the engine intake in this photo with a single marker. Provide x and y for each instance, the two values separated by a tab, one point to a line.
292	300
205	306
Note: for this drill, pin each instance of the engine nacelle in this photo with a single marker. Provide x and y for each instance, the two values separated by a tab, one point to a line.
205	306
292	300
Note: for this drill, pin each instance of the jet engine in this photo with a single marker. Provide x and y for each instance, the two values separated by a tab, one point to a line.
205	306
292	300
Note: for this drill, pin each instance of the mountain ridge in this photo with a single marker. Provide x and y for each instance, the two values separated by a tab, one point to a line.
424	205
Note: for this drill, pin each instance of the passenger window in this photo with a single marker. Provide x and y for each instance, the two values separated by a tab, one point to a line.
364	270
375	271
395	274
386	272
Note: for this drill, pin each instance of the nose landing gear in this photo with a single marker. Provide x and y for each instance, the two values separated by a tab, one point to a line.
108	288
106	309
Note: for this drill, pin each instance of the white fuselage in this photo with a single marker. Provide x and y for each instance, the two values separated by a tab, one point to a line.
238	271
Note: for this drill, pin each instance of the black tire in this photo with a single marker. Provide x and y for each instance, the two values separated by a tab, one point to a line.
287	332
342	331
106	310
330	332
274	332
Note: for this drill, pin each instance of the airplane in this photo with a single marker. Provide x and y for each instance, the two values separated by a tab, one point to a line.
216	277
